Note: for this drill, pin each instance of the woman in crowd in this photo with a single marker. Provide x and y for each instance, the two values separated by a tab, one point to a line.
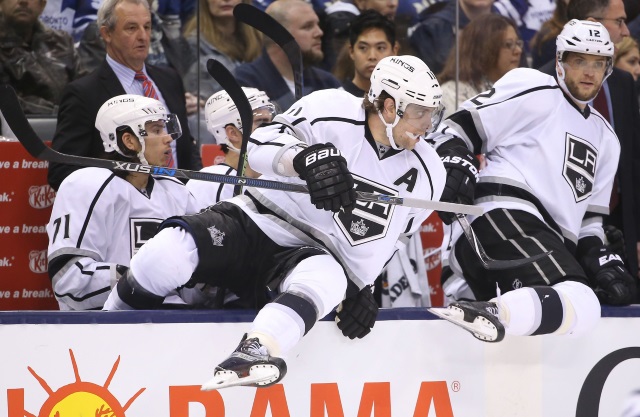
628	56
222	38
489	48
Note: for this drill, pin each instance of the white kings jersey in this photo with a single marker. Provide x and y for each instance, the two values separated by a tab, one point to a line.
208	193
99	221
544	155
365	241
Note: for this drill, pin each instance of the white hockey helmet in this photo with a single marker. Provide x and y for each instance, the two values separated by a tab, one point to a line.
585	37
409	81
220	111
133	111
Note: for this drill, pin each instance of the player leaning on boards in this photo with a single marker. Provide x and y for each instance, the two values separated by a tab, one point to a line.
100	218
312	252
551	161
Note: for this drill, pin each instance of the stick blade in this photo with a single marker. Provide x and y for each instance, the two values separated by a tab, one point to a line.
497	264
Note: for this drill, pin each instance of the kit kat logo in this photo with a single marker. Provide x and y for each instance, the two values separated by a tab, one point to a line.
41	196
38	261
79	398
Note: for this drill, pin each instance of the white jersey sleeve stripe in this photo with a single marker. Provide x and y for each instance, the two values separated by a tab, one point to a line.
426	170
87	219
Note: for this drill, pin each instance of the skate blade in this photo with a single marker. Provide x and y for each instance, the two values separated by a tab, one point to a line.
481	328
259	376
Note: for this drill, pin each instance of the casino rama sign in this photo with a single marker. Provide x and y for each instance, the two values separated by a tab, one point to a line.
82	398
87	398
591	392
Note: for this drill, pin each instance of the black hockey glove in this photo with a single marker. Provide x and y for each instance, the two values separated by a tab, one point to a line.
356	315
462	174
326	173
610	280
615	240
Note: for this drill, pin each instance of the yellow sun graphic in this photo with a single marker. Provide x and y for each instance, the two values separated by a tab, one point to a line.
82	399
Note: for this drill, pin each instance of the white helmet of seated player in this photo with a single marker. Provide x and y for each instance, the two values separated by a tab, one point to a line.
134	112
413	87
584	37
220	111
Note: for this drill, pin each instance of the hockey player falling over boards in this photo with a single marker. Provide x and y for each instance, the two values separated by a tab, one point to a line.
551	160
311	249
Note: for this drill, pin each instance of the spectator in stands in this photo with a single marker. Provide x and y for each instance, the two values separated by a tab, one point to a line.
618	104
176	13
125	26
222	38
338	17
371	38
543	43
434	36
628	57
272	72
528	15
489	48
35	60
224	124
101	218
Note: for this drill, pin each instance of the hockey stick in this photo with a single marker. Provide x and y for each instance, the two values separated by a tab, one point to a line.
228	83
266	24
10	108
486	260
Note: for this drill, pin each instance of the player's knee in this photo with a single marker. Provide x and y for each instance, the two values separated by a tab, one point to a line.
582	308
135	296
166	261
565	308
321	279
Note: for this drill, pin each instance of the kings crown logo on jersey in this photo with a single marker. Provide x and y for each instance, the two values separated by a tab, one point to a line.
369	220
579	166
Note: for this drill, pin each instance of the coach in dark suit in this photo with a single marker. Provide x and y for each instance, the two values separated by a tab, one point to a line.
125	26
618	94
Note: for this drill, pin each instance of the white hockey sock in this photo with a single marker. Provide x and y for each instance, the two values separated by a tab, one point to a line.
278	328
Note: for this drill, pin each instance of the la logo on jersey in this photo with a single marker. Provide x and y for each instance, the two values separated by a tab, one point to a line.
579	166
140	231
369	220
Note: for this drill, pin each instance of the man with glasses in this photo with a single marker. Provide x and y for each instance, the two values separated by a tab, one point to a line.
618	104
546	187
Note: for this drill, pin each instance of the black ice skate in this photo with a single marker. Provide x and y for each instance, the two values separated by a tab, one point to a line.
478	317
249	365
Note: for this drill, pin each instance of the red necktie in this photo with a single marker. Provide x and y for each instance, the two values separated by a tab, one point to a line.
147	86
150	91
600	104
